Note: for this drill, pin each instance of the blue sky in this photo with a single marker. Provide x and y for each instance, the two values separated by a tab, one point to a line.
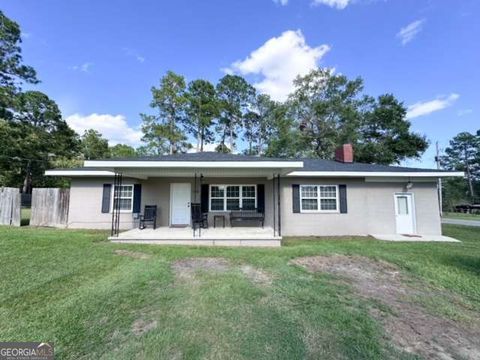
99	59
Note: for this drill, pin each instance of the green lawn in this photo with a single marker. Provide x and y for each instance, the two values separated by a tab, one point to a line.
25	214
452	215
70	287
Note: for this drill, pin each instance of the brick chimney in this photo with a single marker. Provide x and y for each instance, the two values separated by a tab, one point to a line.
344	153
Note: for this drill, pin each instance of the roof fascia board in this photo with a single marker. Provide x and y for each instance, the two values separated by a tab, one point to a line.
194	164
88	173
375	174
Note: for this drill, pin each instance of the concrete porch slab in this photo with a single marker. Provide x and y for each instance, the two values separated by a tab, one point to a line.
237	236
414	238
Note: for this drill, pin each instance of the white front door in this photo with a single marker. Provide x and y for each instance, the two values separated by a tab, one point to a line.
405	213
180	194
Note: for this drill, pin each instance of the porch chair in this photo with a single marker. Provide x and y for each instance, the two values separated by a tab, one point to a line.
149	216
199	218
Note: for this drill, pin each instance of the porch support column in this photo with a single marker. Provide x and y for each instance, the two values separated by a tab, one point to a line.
274	204
117	183
279	207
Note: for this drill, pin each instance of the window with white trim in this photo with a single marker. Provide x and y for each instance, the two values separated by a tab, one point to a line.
233	197
319	198
125	197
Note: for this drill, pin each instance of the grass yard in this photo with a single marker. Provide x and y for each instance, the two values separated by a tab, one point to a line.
462	216
97	300
25	214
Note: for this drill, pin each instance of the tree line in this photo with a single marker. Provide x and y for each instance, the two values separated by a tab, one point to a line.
462	154
323	111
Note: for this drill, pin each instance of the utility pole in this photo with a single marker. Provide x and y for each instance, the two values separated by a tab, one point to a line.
439	184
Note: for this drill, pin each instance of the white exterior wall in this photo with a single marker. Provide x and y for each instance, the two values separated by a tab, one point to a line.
370	205
85	208
86	200
371	209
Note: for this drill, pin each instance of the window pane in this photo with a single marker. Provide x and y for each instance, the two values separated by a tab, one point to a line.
309	191
248	204
328	204
217	204
248	191
233	204
233	191
217	191
124	191
125	204
309	204
402	205
328	191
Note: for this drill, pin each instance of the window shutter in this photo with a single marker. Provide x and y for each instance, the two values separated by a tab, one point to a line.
296	198
343	198
261	198
204	198
137	198
107	191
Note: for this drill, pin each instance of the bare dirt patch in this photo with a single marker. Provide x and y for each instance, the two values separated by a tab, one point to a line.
185	269
410	326
256	276
140	327
132	254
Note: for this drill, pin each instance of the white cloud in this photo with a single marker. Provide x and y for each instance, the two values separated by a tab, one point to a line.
206	147
428	107
279	61
408	33
464	112
85	67
113	127
281	2
339	4
134	54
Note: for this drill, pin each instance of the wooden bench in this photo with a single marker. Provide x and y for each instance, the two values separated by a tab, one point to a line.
247	215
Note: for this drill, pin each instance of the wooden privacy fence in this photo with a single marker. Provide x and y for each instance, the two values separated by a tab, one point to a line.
9	206
50	207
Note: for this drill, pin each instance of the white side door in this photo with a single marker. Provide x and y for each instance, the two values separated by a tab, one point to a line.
405	213
180	197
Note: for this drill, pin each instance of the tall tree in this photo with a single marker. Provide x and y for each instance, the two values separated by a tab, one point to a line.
331	109
259	124
463	154
122	151
202	110
235	95
165	129
251	121
12	71
35	136
94	146
325	109
384	135
285	137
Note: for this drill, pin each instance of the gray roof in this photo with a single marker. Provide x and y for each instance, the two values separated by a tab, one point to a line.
201	156
309	164
331	165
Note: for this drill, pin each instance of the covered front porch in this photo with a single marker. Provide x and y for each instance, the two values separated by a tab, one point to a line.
227	203
237	236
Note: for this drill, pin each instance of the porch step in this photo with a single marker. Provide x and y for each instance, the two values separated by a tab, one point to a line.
203	242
